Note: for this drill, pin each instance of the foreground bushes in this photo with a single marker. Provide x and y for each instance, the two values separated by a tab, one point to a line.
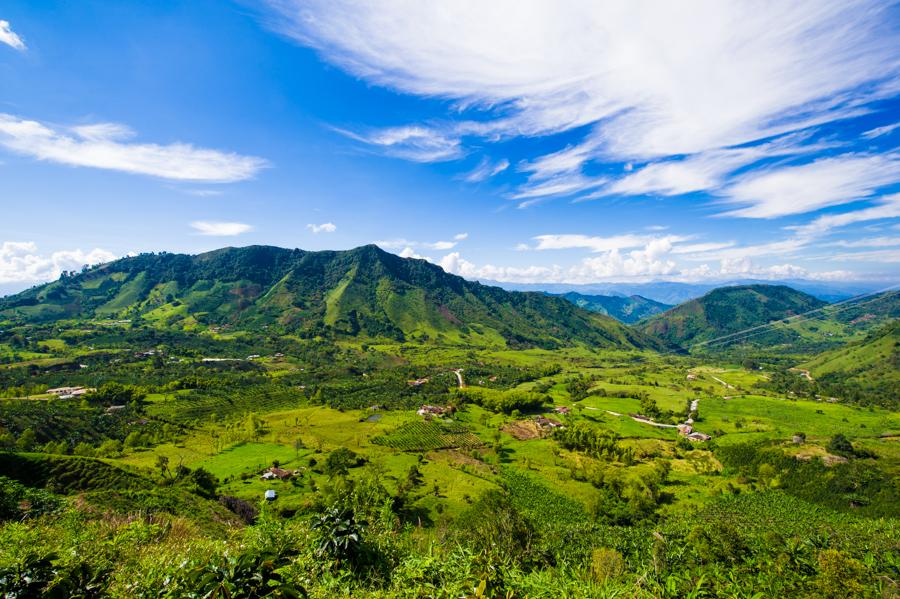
509	544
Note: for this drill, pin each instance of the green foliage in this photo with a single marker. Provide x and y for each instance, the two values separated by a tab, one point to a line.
429	435
110	394
245	576
501	401
18	502
68	474
728	310
340	534
597	442
624	309
857	485
606	564
366	292
340	461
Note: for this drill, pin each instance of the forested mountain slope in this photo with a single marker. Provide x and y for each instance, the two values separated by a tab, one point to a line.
728	310
364	292
624	309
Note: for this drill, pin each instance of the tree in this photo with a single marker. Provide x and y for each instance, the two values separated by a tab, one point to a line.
648	406
26	439
339	461
133	440
298	445
162	464
839	444
253	425
84	449
110	448
204	482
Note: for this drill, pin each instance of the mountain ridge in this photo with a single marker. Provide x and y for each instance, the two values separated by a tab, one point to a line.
629	309
363	292
730	310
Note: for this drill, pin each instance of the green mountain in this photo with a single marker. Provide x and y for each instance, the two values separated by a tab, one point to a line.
624	309
364	292
730	310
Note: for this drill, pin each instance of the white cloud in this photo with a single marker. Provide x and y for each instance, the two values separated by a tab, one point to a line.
415	143
653	80
20	262
595	243
220	229
825	182
408	252
886	207
884	256
707	171
202	193
103	146
10	38
868	242
693	248
649	263
879	131
323	228
652	261
486	169
782	248
393	244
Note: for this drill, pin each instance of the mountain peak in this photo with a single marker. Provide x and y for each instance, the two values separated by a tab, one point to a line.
362	292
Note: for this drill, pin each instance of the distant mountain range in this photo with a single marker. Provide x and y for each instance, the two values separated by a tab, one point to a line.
673	293
624	309
361	293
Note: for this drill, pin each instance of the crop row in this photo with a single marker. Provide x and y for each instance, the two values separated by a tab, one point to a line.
424	436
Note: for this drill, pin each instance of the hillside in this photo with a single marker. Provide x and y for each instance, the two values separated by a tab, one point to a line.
364	292
624	309
871	363
729	310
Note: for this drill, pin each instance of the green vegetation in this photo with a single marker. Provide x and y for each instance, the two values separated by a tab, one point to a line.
624	309
751	317
545	461
425	436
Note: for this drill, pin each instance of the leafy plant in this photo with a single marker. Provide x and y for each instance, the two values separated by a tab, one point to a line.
340	534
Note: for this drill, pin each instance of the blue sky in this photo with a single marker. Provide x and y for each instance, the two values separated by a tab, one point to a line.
521	142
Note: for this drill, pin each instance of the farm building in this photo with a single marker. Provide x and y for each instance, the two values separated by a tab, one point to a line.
685	429
279	473
547	423
69	392
699	437
562	410
427	410
417	382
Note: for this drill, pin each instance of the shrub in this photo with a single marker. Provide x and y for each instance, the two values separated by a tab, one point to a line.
839	575
606	564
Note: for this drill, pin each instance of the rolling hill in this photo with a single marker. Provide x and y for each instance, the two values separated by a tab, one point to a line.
624	309
729	310
872	362
364	292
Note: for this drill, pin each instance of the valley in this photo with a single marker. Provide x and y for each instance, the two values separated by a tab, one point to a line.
250	404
